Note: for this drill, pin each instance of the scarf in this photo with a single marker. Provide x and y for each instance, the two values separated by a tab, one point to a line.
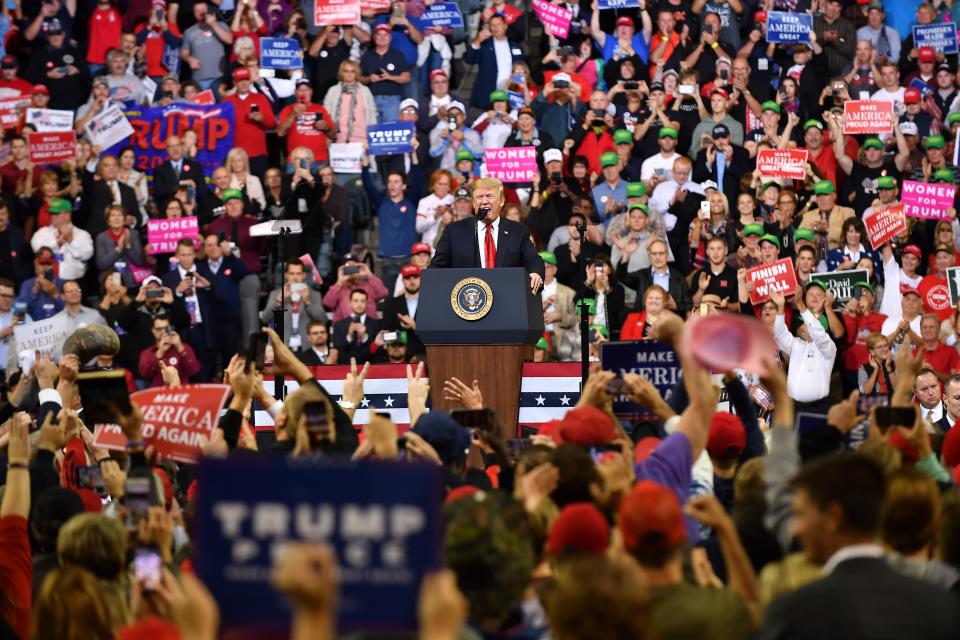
348	100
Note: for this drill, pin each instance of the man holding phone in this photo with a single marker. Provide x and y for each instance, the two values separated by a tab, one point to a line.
175	171
193	295
253	118
303	305
304	123
171	351
354	336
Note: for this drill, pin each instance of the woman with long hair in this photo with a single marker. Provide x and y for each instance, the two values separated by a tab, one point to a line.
431	209
717	225
133	178
238	166
853	234
350	104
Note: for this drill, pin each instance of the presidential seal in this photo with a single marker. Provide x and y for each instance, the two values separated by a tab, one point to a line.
471	298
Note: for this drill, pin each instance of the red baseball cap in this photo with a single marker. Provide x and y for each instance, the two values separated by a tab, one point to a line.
926	54
383	26
41	88
727	436
437	72
727	341
645	447
913	250
719	90
585	426
419	247
409	270
760	16
651	518
580	528
624	20
460	493
911	96
241	73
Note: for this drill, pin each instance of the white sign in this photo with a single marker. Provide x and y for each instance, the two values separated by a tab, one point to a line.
109	127
45	336
50	119
345	157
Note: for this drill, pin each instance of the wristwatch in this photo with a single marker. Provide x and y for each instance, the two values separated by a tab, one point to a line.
346	405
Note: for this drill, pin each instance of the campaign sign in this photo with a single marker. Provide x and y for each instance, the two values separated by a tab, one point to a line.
767	278
377	6
927	201
942	36
390	138
442	14
867	116
45	336
617	4
280	53
342	12
789	28
512	164
109	127
175	420
50	119
163	234
953	280
51	147
11	102
783	163
346	157
655	361
109	436
516	100
152	125
842	283
205	98
555	19
885	223
381	518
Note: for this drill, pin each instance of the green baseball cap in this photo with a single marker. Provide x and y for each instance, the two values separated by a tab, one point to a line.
60	205
636	189
953	117
463	154
868	287
934	142
498	96
548	257
823	188
639	205
886	182
812	123
873	143
770	105
769	237
590	302
231	194
400	339
601	329
767	185
608	159
803	233
622	136
943	175
753	229
542	344
668	132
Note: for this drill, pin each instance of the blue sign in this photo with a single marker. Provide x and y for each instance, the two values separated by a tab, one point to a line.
442	14
655	361
789	28
280	53
517	101
920	86
618	4
381	518
942	36
390	138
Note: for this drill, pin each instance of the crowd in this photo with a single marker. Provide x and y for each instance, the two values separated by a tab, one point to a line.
811	507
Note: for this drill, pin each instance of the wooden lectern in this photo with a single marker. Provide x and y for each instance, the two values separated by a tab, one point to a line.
479	324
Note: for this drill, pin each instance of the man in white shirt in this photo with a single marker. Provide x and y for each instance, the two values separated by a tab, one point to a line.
72	246
891	91
812	352
926	387
78	316
659	167
668	193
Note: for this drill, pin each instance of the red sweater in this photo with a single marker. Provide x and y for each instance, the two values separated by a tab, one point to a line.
16	574
250	135
944	359
859	329
105	30
185	362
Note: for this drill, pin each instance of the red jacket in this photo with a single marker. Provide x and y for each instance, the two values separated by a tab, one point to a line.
593	146
250	135
186	363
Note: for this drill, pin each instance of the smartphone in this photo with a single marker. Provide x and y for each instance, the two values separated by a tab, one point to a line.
705	210
19	308
599	113
516	445
90	478
257	349
631	85
137	500
451	123
704	309
888	417
169	330
389	336
479	419
351	270
685	90
708	29
560	84
148	567
304	163
398	10
48	274
254	108
316	415
115	279
191	192
724	74
617	387
556	177
153	294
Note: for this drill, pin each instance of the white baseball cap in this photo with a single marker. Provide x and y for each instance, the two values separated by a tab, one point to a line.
409	102
561	76
552	155
457	105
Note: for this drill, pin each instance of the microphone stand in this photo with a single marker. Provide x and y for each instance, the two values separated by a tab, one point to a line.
584	322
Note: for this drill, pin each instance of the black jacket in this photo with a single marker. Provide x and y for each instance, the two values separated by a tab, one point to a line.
166	180
641	280
359	350
391	310
97	196
458	247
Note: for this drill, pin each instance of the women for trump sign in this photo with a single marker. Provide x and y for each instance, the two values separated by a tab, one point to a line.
927	201
512	164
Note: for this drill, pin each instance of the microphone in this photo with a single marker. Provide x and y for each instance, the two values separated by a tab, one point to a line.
481	213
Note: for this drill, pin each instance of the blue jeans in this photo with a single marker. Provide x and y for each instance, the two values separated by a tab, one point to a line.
422	73
212	84
388	108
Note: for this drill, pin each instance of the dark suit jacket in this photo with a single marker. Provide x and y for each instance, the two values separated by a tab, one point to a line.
642	279
347	350
739	165
864	598
309	357
391	309
458	247
97	197
224	288
208	315
165	180
486	80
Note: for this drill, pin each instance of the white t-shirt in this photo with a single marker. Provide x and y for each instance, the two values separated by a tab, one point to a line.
650	166
896	97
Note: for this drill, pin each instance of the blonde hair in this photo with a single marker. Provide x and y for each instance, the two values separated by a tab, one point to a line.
353	65
71	606
96	543
490	183
234	153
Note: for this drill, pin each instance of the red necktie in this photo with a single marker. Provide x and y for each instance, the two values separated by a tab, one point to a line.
490	248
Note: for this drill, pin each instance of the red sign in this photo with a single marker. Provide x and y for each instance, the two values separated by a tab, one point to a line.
867	116
935	292
376	6
175	420
343	12
52	147
775	276
783	163
10	107
885	223
205	97
110	437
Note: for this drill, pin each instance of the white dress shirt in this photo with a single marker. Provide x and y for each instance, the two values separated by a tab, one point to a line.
73	256
850	552
482	237
191	297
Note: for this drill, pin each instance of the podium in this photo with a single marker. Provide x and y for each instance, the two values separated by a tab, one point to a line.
479	324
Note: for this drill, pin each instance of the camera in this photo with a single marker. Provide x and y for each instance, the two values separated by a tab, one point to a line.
153	294
555	177
351	270
631	85
560	84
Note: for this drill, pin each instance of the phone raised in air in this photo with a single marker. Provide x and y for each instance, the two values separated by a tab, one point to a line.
888	417
479	419
257	349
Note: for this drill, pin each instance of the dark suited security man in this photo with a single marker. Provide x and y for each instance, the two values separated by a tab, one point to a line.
174	171
486	240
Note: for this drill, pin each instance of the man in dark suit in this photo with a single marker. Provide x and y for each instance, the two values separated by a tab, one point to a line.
736	162
661	273
174	171
99	194
354	336
837	511
482	52
399	313
223	271
193	294
490	241
317	350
